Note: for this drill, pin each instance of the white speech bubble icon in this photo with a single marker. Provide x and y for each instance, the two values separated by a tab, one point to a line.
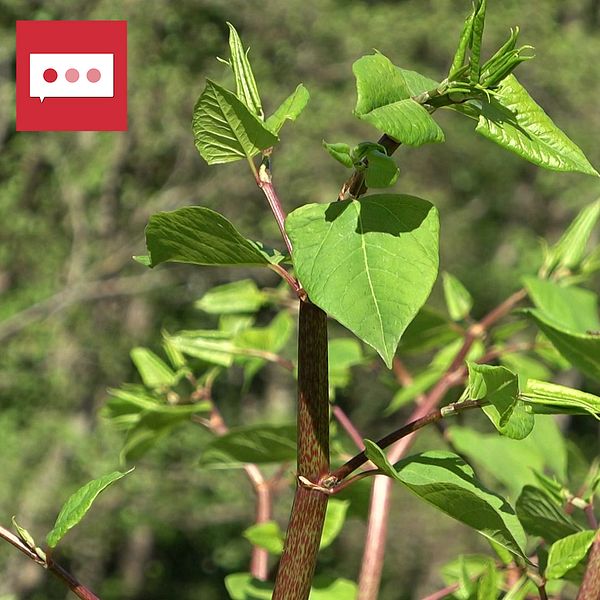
70	75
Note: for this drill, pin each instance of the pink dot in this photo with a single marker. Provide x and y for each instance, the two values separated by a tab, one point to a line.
72	75
50	75
93	75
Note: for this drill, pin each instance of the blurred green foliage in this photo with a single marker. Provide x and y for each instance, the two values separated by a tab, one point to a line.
73	207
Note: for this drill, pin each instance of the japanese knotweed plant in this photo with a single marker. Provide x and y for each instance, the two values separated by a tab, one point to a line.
369	261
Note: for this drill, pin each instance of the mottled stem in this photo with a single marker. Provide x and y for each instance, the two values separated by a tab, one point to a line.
590	587
303	536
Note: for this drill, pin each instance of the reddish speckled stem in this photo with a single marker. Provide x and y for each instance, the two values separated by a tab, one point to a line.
303	536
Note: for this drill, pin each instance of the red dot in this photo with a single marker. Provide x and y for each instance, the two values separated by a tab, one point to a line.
93	75
72	75
50	75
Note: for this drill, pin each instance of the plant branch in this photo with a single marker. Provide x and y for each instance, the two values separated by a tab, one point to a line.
75	586
348	425
265	183
360	459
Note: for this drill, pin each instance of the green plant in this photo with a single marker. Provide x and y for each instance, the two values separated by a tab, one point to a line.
370	263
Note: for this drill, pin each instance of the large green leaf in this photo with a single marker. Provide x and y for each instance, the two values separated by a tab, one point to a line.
582	350
289	110
500	388
512	119
446	481
384	100
567	553
247	91
78	505
369	263
225	130
251	444
573	309
199	236
542	516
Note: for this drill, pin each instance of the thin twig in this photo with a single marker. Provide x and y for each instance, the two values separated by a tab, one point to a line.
348	425
356	461
449	589
265	183
74	585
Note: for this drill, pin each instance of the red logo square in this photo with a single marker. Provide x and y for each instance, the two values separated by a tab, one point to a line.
71	75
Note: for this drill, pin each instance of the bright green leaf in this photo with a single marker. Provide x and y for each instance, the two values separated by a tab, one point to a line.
259	444
155	373
237	297
384	100
214	347
382	171
267	535
566	553
559	398
289	110
513	120
368	263
458	299
582	350
573	309
78	505
25	536
514	463
199	236
500	388
225	130
428	330
488	583
569	251
242	586
542	516
247	91
343	353
340	152
334	520
446	481
476	37
463	45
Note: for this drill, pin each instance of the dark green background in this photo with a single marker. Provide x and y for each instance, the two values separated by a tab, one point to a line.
72	211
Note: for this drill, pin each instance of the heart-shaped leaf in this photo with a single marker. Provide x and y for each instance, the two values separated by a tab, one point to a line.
369	263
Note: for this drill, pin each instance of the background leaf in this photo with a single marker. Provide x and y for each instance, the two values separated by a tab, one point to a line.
199	236
78	504
259	444
446	481
236	297
567	553
155	373
266	535
458	299
368	263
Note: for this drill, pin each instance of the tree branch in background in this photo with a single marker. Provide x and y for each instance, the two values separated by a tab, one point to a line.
259	562
75	586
